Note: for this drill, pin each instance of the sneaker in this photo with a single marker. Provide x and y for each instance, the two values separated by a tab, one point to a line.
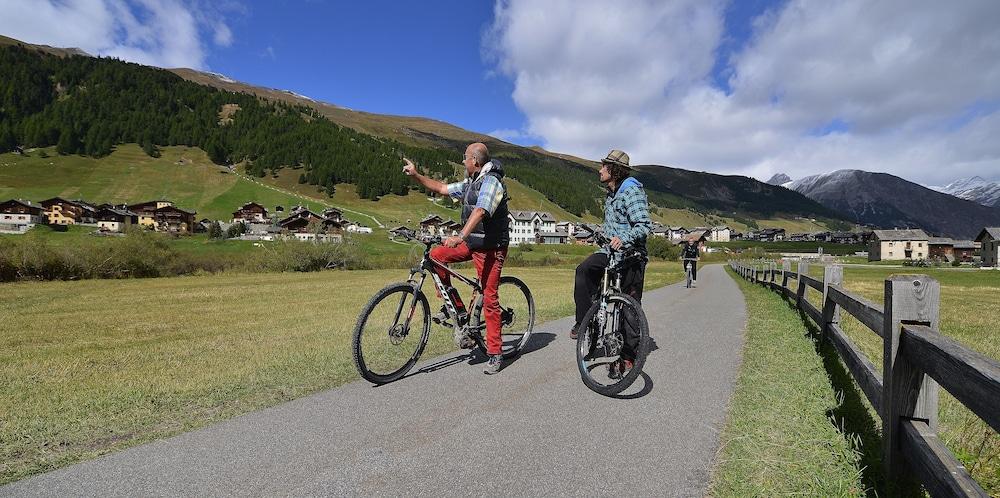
619	368
493	365
572	333
694	283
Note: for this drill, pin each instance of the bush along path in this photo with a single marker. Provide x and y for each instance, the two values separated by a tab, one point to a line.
532	429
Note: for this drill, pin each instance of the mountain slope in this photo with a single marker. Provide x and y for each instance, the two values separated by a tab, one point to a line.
889	201
975	189
779	179
726	193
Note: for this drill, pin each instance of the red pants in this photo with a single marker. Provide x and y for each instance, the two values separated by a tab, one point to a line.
488	263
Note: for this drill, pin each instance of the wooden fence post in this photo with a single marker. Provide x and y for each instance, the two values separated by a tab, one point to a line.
800	294
786	268
906	393
832	275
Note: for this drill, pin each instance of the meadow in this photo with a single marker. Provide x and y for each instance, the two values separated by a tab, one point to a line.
94	366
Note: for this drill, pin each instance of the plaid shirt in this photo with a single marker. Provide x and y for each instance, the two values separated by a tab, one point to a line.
626	215
490	193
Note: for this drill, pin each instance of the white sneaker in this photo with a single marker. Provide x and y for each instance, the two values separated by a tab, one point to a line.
694	283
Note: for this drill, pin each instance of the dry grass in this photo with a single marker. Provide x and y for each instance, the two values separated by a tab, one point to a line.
90	367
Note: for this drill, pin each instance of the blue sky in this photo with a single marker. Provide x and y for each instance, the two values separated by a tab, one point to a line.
752	87
407	58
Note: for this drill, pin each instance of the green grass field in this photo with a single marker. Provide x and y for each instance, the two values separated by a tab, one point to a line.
970	301
94	366
785	430
787	246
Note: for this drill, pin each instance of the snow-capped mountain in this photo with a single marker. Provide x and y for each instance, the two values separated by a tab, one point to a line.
975	189
780	179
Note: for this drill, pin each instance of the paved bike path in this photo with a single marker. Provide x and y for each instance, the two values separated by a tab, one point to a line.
534	429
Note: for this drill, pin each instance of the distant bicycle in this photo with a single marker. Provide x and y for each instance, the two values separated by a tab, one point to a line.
613	323
393	328
688	267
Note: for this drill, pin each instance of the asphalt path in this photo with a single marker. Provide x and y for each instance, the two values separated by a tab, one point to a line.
533	429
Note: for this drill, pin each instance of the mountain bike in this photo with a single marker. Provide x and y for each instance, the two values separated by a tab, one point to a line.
613	325
394	326
688	268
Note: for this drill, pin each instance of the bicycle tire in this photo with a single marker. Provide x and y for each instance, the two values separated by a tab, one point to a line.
365	365
517	341
585	338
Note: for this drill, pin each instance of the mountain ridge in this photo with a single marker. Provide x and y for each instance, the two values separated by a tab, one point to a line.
888	201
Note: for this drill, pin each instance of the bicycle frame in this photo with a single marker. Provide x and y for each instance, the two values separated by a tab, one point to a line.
429	265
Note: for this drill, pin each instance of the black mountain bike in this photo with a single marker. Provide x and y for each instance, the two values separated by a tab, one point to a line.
393	328
688	262
615	322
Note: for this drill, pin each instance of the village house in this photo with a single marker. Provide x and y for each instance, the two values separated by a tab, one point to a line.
845	238
19	216
173	219
566	226
965	250
59	211
554	237
334	214
799	237
771	235
526	225
940	248
110	219
721	234
250	212
898	245
677	233
661	232
431	225
400	233
147	211
584	233
989	238
303	225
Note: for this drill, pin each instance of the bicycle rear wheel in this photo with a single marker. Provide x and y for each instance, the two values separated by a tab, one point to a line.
517	317
391	333
601	343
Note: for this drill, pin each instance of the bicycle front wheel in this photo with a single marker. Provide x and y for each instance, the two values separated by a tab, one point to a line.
391	333
617	332
517	317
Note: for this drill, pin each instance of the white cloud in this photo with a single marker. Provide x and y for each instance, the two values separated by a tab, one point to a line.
164	33
906	87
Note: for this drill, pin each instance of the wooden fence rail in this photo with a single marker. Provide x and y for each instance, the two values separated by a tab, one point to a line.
916	360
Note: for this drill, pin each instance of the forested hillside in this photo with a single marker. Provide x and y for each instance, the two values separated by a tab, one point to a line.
86	105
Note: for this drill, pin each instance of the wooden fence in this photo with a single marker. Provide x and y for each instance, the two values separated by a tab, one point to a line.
916	360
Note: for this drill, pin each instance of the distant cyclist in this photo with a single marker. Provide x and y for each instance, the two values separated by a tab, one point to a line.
627	224
689	251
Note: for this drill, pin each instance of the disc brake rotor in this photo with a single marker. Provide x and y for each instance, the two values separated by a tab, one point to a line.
397	333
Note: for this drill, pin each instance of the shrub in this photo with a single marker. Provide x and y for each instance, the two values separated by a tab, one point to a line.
659	247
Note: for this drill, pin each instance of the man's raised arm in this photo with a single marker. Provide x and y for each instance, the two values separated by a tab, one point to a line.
429	183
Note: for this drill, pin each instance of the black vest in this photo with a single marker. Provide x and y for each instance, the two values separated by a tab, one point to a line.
493	231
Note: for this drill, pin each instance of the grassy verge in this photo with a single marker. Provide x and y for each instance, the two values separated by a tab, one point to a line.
89	367
969	305
785	431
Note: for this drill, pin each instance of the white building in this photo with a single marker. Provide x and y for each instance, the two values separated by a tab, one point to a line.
19	216
720	234
526	225
898	244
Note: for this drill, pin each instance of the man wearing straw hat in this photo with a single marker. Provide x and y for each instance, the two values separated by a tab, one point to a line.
627	224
